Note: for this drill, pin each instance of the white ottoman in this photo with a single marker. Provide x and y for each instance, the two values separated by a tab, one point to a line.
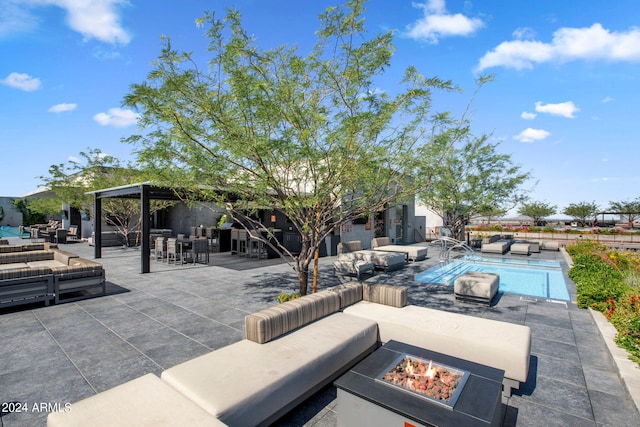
477	287
520	248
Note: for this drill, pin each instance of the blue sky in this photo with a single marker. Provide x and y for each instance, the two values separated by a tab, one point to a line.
564	103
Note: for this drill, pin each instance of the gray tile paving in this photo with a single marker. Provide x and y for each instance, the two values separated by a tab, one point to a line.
147	323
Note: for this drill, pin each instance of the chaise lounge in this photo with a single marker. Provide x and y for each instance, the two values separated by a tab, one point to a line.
412	252
498	247
386	261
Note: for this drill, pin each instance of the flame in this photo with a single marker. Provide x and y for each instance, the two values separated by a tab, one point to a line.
409	367
430	371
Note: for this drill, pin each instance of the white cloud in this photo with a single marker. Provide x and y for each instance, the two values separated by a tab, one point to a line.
61	108
568	44
74	159
531	135
564	109
607	99
94	19
524	33
437	23
528	116
22	81
117	117
14	18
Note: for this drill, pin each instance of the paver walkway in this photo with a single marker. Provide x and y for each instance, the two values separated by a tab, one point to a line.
51	356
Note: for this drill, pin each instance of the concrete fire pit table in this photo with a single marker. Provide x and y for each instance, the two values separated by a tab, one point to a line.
365	400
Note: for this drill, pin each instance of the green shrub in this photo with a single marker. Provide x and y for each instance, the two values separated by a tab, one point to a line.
624	314
596	281
585	247
286	297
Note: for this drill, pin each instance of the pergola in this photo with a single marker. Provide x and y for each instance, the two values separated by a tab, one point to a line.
143	191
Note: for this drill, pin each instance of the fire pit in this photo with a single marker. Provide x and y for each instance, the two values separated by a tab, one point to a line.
374	392
436	382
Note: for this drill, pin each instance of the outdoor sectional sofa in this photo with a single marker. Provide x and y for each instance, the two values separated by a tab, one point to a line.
416	252
292	350
46	275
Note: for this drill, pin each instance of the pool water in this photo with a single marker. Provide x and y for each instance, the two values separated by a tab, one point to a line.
537	278
6	231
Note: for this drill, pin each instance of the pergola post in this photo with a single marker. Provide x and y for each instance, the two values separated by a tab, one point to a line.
145	218
97	225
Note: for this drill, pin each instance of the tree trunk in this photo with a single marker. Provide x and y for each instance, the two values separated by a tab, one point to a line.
303	280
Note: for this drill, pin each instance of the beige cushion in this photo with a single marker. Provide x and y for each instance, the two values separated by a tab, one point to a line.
245	383
415	253
145	401
493	343
520	248
476	284
498	247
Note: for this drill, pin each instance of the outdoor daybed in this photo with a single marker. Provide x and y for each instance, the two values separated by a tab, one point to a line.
46	275
412	252
497	247
292	350
386	261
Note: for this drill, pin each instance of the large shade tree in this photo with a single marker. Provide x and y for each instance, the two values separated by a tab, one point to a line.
583	212
313	136
94	170
537	210
470	178
628	209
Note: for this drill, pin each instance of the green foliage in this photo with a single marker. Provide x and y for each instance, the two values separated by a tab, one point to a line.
311	136
95	170
624	314
537	210
627	208
583	212
609	281
469	179
584	247
284	297
596	281
29	217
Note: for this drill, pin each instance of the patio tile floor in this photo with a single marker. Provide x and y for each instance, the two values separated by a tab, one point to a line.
150	322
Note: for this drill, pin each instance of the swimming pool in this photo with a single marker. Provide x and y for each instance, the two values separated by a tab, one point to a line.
6	231
537	278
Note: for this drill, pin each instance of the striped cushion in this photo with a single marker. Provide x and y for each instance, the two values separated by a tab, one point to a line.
10	258
395	296
268	324
33	246
38	255
77	266
18	273
350	293
4	249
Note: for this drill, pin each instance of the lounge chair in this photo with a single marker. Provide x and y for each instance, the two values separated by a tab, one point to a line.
386	261
412	252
